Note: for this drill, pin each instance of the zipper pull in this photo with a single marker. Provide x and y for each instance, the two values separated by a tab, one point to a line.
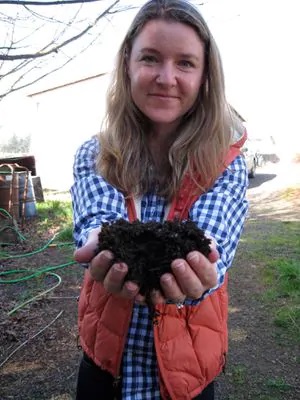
117	387
78	343
117	381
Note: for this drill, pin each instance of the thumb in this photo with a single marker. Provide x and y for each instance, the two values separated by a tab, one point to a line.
88	251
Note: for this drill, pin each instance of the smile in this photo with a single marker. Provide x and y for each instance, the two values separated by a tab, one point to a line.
163	96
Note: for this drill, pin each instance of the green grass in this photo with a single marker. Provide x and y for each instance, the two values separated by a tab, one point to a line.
278	384
65	234
55	209
239	374
56	214
276	250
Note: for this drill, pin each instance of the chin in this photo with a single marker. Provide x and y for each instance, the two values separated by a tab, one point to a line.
162	118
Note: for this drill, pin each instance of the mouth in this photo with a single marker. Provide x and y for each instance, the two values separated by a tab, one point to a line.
163	96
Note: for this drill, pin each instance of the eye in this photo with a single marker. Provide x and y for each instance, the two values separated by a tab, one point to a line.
186	64
149	59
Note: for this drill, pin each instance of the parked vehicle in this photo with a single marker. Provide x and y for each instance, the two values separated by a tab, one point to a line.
252	157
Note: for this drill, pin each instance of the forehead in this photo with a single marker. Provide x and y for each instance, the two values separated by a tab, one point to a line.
169	36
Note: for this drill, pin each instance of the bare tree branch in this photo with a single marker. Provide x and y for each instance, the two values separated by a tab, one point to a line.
55	49
15	88
45	3
36	43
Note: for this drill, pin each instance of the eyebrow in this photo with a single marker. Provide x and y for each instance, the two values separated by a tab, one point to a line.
181	55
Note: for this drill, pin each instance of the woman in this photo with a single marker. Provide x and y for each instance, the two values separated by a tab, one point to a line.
170	141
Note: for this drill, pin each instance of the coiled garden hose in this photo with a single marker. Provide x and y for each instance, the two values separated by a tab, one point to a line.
29	273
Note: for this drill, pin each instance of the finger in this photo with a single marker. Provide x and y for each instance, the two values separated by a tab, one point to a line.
171	289
203	268
187	279
129	290
213	255
114	279
87	252
100	265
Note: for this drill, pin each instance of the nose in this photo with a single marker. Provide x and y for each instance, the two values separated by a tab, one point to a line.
166	74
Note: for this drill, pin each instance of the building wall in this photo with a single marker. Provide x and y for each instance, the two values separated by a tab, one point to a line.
65	118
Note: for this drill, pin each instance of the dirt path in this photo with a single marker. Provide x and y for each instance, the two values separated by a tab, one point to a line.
259	365
41	339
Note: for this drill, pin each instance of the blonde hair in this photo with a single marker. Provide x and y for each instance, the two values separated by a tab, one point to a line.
203	137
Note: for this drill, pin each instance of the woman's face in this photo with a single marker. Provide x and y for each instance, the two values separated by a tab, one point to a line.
165	68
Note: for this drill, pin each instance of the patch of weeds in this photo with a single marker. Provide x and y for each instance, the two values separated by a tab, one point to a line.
283	280
289	318
65	234
55	209
278	384
267	397
238	374
275	249
284	275
54	214
275	238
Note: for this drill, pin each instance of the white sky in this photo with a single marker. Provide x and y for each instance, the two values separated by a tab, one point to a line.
258	40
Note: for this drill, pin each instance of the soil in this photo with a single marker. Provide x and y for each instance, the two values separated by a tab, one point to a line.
39	356
149	248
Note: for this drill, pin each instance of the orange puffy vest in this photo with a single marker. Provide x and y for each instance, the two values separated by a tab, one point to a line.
190	343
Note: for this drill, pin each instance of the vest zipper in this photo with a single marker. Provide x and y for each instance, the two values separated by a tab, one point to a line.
118	378
159	363
79	347
116	386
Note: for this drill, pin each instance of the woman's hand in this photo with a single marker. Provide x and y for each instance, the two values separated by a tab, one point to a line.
190	278
102	270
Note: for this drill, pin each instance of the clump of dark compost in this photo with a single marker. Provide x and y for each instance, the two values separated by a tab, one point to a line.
149	248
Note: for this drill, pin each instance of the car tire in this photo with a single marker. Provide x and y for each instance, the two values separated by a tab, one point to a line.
252	170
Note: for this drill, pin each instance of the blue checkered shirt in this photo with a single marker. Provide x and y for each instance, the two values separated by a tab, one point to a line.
220	212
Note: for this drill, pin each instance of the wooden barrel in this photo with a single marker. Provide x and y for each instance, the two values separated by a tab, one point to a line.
9	192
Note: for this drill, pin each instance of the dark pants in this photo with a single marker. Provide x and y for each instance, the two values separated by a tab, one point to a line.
95	384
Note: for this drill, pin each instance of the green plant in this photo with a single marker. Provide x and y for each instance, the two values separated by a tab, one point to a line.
57	208
54	214
279	384
65	234
283	280
239	374
275	252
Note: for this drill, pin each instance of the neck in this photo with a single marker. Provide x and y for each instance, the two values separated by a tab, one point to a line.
164	131
159	146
